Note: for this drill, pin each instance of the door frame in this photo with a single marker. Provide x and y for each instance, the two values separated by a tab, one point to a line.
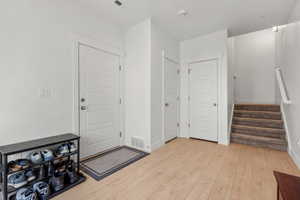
98	45
164	58
217	59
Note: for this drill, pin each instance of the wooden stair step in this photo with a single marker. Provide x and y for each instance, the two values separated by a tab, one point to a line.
264	123
259	141
259	131
258	114
258	107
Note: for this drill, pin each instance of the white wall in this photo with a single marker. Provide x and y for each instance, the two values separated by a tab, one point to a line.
159	41
209	46
36	53
254	63
295	14
138	83
231	80
289	61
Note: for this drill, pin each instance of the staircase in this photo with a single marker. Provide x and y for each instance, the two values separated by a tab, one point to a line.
258	125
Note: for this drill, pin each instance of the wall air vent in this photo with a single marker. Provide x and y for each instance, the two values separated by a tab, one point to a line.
137	143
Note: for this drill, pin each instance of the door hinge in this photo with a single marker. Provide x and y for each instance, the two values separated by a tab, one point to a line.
189	71
120	67
178	98
189	125
189	98
120	101
120	134
178	71
178	124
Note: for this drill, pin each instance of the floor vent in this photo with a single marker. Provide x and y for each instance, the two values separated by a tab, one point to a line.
137	142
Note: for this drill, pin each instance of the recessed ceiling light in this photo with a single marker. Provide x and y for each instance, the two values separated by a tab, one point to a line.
182	13
118	2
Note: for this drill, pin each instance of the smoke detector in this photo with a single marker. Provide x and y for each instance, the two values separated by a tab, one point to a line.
182	13
118	3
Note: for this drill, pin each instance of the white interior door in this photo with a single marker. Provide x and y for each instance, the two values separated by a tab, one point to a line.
203	110
99	100
171	99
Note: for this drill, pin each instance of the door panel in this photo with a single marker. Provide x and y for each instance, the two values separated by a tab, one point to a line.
203	86
171	101
99	87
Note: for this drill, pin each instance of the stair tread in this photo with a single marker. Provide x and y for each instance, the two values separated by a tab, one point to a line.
259	119
253	104
259	138
257	111
256	127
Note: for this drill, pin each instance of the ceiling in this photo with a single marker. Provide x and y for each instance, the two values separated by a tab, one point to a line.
205	16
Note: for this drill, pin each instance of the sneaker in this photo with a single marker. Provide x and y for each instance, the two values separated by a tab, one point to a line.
57	182
13	167
30	175
36	157
26	194
42	189
17	179
62	150
72	176
23	163
47	155
72	147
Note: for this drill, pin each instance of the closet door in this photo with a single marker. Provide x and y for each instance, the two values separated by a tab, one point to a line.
203	108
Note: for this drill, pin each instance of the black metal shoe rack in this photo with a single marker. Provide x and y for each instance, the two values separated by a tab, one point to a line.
13	149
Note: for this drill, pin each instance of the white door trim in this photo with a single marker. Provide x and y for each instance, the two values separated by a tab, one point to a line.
164	58
217	59
77	41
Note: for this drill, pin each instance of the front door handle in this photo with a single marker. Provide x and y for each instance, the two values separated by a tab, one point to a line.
83	108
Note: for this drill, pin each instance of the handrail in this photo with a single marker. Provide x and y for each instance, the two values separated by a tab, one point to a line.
282	87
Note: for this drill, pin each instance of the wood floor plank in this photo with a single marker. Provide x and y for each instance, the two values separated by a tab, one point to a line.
186	169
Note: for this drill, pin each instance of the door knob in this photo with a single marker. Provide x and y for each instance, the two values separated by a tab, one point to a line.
215	104
166	104
83	107
82	99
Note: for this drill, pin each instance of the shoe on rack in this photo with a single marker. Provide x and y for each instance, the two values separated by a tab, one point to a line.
62	150
72	147
30	175
42	172
13	167
50	172
42	189
36	157
26	194
57	182
17	179
47	155
71	173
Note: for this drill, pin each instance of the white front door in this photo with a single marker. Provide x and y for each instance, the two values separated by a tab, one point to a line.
203	99
98	100
171	99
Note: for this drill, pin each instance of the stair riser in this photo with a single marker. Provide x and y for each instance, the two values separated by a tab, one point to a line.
280	147
262	124
272	134
258	108
259	115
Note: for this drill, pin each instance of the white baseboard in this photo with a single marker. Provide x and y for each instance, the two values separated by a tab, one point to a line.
294	157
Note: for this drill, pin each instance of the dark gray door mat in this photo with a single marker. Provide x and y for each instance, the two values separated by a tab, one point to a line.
105	164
